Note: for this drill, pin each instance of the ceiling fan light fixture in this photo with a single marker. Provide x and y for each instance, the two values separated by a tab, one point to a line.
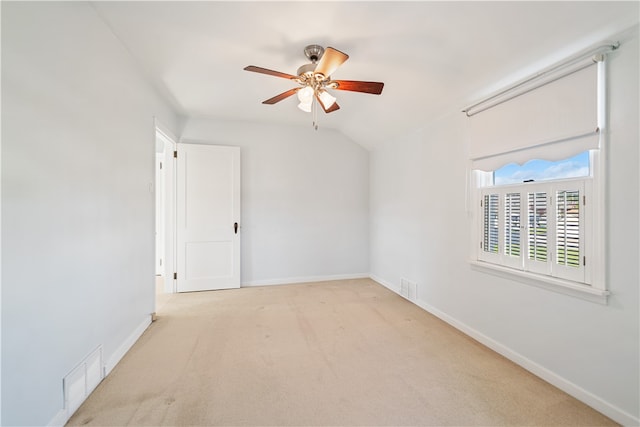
305	106
305	95
327	99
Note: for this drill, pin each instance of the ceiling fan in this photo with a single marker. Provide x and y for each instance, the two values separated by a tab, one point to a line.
314	80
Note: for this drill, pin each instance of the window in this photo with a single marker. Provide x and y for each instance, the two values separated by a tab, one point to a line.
542	223
546	231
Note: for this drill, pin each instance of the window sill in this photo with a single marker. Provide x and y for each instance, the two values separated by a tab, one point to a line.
566	287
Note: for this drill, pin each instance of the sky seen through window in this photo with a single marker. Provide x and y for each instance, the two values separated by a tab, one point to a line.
543	170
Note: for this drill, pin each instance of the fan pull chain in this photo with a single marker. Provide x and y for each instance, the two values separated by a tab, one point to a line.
314	113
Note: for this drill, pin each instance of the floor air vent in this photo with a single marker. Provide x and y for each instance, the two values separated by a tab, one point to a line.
408	289
82	380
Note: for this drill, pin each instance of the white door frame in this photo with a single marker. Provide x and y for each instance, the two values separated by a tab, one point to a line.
169	262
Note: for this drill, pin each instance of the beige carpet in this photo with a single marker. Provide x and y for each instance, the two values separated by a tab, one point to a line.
333	353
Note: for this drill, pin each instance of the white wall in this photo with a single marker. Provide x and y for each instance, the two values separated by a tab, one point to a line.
420	230
78	143
305	200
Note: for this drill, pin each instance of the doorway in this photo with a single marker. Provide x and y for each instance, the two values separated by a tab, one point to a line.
165	215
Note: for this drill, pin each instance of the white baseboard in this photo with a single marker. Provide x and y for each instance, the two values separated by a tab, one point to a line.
306	279
60	419
563	384
386	284
126	345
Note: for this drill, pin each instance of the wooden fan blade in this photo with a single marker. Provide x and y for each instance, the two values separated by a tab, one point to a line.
280	97
374	88
330	61
331	109
270	72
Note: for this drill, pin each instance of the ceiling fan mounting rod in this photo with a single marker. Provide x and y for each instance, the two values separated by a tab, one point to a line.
314	52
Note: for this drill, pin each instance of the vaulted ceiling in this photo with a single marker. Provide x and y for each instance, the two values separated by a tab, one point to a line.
434	57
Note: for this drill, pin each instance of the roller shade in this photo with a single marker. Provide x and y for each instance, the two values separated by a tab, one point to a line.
553	121
551	151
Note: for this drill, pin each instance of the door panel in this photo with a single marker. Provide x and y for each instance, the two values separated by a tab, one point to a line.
208	259
208	206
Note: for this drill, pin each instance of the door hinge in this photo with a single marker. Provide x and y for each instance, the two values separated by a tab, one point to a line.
584	200
175	154
175	276
584	260
160	165
480	245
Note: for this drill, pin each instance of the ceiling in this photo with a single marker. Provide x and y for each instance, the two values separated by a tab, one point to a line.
434	57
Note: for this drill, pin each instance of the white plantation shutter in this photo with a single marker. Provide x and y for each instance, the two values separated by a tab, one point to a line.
568	228
512	207
537	257
491	218
537	229
511	243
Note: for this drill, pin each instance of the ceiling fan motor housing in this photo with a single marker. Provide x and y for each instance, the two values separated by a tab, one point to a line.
307	69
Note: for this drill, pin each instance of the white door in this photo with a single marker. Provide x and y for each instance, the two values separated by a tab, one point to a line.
208	217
